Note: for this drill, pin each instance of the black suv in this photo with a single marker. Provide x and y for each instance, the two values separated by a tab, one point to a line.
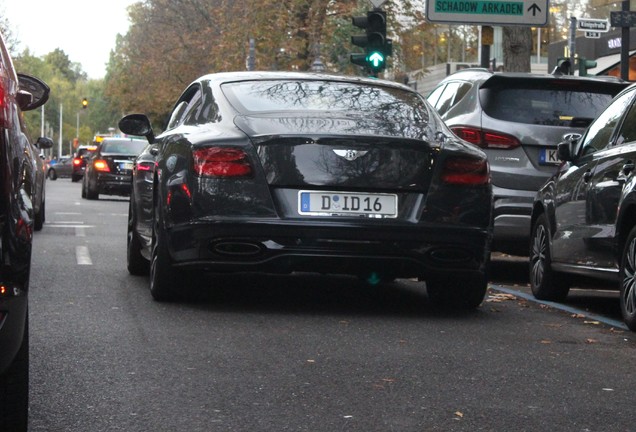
18	188
584	217
518	119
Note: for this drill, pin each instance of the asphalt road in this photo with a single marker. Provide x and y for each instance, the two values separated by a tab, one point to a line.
302	352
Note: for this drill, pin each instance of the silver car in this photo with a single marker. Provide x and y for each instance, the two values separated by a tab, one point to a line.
518	120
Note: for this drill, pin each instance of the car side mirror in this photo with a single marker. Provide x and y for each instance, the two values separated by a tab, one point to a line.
44	143
137	124
36	88
566	148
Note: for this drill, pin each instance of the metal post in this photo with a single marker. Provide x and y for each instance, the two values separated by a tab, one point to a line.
59	145
625	45
572	43
251	59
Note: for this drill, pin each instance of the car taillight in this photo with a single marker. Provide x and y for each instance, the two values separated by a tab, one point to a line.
77	161
145	166
221	162
465	171
486	139
5	118
101	165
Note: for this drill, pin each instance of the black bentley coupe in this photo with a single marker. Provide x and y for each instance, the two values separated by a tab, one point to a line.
277	172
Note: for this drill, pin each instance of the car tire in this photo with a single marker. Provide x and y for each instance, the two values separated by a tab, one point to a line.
137	264
38	220
163	276
457	293
14	390
75	178
546	284
90	193
52	175
628	281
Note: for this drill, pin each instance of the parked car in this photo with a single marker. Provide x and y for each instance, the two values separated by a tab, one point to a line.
61	168
79	161
18	217
518	120
35	87
109	169
282	172
584	217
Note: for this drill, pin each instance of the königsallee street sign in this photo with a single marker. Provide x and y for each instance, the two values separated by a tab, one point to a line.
488	12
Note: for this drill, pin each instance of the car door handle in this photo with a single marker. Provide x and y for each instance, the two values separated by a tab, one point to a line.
587	176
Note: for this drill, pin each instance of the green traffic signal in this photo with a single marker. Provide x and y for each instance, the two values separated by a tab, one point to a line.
375	43
375	60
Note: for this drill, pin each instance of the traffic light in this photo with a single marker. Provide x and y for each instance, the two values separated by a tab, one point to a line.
84	103
584	65
375	43
564	67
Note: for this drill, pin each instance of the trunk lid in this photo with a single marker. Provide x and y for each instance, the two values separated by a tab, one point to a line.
346	153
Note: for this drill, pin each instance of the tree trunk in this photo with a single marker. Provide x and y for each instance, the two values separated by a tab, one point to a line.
517	48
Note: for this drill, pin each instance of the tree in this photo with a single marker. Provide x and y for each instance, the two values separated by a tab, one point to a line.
169	44
517	48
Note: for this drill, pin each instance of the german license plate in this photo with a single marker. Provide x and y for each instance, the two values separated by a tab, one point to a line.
126	166
549	157
319	203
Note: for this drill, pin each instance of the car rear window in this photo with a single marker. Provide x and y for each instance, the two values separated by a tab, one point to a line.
304	95
552	103
131	148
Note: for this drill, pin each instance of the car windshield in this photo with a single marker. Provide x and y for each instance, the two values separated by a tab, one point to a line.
304	95
129	147
553	104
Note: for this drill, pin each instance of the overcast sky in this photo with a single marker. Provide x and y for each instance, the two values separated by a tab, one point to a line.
85	30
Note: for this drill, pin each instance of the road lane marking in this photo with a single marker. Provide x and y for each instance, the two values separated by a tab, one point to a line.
83	256
62	225
562	307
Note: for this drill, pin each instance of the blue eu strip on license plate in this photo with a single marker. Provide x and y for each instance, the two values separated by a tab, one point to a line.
319	203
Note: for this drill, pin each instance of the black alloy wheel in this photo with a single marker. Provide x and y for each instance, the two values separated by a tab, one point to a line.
40	217
628	281
163	277
137	264
546	284
52	175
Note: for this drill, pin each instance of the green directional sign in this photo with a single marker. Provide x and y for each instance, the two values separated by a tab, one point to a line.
522	12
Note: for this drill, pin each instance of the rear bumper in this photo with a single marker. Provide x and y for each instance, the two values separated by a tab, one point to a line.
287	246
112	184
511	213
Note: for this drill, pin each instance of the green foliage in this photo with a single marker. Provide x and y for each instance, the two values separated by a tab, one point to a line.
170	44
